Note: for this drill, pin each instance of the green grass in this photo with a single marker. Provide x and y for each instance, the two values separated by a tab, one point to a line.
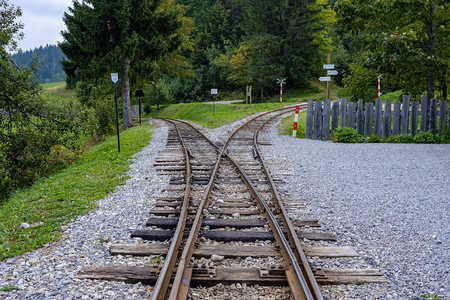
317	91
286	125
57	91
202	113
46	86
60	198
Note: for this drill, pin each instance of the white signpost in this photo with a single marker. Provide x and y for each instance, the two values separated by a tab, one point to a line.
214	93
328	67
115	80
325	78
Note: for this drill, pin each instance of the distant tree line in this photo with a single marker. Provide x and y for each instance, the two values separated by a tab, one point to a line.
49	68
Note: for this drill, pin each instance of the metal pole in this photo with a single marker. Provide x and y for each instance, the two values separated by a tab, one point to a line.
281	90
214	103
117	117
140	110
328	83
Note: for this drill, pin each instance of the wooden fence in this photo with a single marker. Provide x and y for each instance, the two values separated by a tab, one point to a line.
401	118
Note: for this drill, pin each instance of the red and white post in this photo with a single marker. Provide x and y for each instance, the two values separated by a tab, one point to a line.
281	81
297	110
379	86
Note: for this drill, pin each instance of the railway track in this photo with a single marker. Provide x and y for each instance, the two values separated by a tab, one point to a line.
222	205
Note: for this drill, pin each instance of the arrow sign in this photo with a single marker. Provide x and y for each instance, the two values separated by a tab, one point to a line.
329	72
328	67
325	78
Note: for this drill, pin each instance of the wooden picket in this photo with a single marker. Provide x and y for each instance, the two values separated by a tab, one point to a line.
403	119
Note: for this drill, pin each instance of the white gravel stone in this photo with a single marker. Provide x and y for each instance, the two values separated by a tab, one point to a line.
391	202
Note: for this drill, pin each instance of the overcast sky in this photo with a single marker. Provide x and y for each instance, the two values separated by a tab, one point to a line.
42	21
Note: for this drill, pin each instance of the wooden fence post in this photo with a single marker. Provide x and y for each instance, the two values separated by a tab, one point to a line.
433	115
351	114
317	120
359	117
423	113
414	117
442	115
387	119
368	118
396	119
326	120
343	112
334	117
309	119
405	114
448	114
378	112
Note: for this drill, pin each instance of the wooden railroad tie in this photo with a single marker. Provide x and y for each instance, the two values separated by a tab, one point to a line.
228	275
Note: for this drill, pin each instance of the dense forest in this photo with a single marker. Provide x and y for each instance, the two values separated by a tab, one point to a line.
48	60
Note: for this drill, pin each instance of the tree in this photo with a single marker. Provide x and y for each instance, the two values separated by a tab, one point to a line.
30	128
131	35
404	40
282	38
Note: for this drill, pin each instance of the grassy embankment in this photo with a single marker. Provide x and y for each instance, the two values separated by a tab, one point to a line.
58	199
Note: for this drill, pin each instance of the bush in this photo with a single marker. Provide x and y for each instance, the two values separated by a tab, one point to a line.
371	138
346	135
426	137
445	135
401	138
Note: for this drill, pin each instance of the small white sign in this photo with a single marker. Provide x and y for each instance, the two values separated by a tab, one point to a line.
213	91
329	72
115	77
325	78
328	67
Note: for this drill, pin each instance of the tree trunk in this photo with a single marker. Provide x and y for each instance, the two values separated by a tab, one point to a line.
126	102
444	85
430	53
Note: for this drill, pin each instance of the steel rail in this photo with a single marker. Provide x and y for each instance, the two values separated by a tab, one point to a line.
298	250
164	277
181	282
295	275
162	283
183	275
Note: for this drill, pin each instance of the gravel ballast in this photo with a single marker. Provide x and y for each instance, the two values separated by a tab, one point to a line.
391	202
388	201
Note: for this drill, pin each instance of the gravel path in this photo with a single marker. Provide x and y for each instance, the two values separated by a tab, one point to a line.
49	272
390	202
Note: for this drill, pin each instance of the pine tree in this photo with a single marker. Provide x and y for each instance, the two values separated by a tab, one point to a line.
103	36
281	35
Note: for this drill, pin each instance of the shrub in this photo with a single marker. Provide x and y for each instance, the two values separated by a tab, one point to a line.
445	135
426	137
346	135
371	138
401	138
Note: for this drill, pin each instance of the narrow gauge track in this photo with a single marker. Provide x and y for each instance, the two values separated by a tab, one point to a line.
243	145
231	219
